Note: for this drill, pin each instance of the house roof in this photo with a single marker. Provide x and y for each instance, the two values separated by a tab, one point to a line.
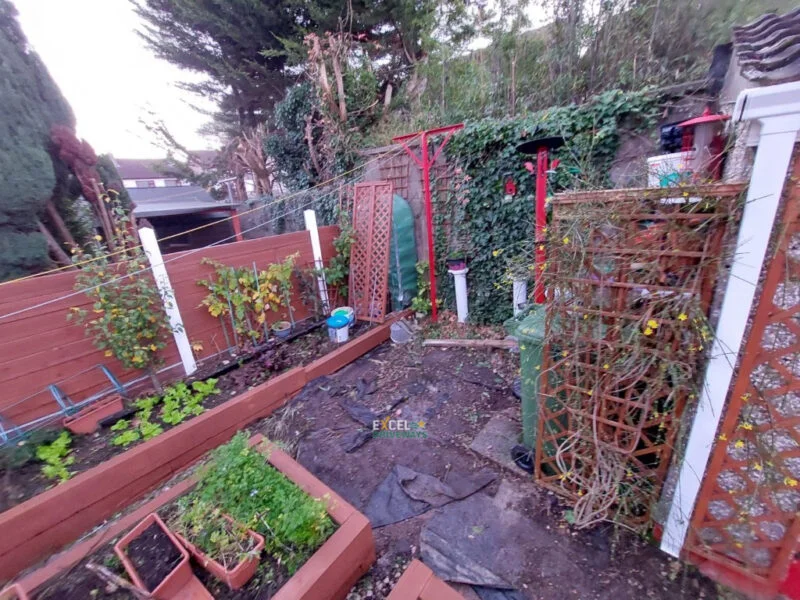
768	49
160	202
138	168
148	168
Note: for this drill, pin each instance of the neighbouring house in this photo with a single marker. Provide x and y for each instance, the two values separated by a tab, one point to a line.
172	205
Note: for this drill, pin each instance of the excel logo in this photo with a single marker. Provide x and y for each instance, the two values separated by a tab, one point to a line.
399	428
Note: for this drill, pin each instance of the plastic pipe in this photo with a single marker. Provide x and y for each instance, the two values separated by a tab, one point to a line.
460	280
520	295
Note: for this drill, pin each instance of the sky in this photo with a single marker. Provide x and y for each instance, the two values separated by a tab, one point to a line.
108	75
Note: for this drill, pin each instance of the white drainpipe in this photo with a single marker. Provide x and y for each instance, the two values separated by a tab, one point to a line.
777	110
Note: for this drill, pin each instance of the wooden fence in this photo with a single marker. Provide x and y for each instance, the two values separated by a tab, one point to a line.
39	347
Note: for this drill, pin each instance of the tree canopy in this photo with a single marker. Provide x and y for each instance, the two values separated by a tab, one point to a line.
32	104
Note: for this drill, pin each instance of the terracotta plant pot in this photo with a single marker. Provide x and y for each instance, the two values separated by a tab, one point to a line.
86	420
282	329
179	578
239	575
13	592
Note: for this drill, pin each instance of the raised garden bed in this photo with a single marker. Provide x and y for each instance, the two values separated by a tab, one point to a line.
56	517
233	375
311	556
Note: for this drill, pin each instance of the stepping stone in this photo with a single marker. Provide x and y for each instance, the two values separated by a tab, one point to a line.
497	438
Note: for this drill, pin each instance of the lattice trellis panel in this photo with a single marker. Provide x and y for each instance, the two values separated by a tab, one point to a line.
395	170
369	255
747	512
629	284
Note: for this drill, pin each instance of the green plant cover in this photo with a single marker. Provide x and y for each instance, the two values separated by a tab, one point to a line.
402	255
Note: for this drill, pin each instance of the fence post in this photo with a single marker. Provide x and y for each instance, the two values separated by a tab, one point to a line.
777	110
311	226
153	252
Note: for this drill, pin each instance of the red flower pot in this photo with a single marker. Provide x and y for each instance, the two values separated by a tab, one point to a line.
239	575
179	578
85	421
13	592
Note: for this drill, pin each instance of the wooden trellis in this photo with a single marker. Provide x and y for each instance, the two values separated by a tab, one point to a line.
369	255
746	517
630	276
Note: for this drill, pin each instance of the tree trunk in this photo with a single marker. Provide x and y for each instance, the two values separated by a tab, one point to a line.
337	72
105	219
58	253
58	223
151	373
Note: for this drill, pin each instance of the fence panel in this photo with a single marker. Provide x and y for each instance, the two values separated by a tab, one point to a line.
746	516
39	347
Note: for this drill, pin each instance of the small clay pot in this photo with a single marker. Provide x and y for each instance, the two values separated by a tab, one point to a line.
87	420
239	575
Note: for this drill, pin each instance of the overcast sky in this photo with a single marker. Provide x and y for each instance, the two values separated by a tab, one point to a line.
108	75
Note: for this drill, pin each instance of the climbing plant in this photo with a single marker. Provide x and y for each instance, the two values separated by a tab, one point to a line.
474	210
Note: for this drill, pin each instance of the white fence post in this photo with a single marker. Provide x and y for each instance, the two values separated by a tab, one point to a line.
311	225
777	109
153	252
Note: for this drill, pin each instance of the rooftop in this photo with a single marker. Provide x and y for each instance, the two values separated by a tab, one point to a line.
160	202
768	49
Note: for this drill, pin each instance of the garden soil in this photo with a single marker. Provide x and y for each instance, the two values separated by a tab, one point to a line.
452	394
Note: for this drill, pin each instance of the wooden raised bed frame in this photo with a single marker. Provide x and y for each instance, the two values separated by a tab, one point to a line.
329	574
419	583
49	521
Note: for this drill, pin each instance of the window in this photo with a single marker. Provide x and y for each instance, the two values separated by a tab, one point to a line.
145	183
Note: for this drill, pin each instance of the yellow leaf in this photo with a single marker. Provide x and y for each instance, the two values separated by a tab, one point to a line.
652	323
605	366
790	481
682	317
566	240
108	353
739	444
153	347
99	238
723	437
648	331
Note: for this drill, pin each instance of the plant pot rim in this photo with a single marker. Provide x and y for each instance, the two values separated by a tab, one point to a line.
234	577
90	409
283	325
122	544
13	592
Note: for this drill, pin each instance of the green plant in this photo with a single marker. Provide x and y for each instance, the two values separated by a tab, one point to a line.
127	318
244	295
337	272
239	481
484	155
205	526
19	452
56	456
178	403
421	303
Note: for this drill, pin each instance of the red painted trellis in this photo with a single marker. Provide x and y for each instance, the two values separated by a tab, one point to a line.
369	255
746	517
594	398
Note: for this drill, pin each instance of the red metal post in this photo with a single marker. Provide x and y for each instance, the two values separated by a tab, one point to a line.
424	163
541	224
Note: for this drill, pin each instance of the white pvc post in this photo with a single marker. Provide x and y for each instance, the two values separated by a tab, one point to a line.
777	108
520	295
311	225
150	245
460	280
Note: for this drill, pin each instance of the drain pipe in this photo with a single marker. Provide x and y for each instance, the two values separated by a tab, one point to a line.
460	281
776	109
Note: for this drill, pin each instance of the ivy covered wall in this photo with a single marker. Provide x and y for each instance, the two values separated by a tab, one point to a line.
472	215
